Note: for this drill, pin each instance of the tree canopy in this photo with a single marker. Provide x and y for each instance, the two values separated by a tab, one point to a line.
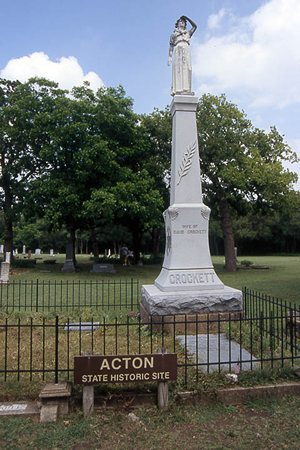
84	162
242	166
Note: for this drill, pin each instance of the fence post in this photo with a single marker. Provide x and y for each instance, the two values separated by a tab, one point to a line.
56	349
37	296
292	333
131	293
245	299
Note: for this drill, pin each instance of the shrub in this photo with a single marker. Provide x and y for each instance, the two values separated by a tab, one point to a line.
150	259
24	263
246	263
106	260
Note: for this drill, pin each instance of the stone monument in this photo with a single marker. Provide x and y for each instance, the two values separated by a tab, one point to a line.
187	283
69	265
5	268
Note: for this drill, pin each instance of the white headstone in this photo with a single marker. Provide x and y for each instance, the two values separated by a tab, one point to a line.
37	251
1	248
24	250
51	252
109	253
4	275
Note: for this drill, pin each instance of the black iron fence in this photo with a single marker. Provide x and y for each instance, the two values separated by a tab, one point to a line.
58	296
265	335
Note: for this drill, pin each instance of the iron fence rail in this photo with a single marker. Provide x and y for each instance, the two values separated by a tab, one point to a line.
58	296
259	338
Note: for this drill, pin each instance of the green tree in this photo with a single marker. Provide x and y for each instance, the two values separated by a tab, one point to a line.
139	189
91	134
23	107
242	166
157	130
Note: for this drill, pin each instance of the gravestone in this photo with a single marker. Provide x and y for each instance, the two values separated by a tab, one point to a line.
24	250
1	248
103	268
5	268
82	326
69	265
4	275
19	408
187	282
37	251
51	252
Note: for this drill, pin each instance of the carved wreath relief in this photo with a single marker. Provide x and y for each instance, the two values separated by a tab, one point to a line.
205	212
173	213
186	162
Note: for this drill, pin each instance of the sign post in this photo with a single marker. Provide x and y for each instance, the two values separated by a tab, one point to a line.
90	370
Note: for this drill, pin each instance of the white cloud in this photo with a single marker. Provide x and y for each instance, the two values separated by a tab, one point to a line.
214	20
66	71
257	56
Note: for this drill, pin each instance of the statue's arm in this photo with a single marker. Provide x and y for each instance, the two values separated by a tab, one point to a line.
171	47
193	25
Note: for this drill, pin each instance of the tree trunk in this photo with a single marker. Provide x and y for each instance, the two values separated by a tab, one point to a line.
136	240
70	261
95	245
155	234
8	234
8	211
230	259
71	250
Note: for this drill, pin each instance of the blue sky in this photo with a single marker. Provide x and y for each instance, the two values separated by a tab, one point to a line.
248	49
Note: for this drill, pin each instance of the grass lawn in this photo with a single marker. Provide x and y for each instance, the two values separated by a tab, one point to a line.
262	424
282	279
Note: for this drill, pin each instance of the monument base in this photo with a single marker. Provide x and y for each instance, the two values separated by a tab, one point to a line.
190	312
158	303
68	266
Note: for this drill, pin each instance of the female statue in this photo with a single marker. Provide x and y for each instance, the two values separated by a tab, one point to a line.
180	56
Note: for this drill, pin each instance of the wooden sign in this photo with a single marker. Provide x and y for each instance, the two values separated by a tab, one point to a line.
94	369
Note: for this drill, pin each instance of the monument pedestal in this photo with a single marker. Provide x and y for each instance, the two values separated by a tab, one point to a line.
187	283
158	303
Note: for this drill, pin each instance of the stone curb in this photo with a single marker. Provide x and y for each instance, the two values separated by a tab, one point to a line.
239	395
229	396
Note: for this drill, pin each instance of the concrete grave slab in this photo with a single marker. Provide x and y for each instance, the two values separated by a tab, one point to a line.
215	351
18	408
103	268
82	326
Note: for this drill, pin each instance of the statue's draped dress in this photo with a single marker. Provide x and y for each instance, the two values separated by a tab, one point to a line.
181	62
